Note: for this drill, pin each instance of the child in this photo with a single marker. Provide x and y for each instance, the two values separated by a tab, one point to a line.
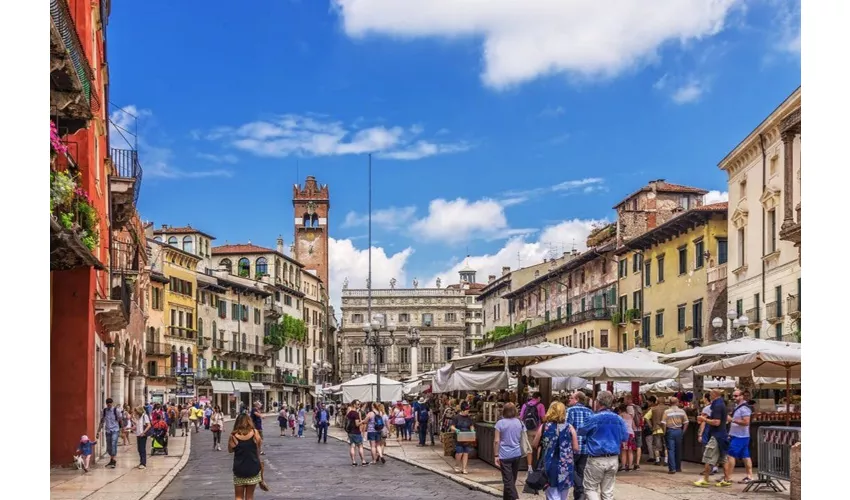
85	450
628	446
292	421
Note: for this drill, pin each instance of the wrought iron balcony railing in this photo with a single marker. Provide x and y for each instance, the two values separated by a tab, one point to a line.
157	349
63	24
127	166
121	291
773	311
793	305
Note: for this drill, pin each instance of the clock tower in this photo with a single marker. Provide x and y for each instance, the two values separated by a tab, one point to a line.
312	203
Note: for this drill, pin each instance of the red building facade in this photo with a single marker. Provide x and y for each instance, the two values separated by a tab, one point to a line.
93	191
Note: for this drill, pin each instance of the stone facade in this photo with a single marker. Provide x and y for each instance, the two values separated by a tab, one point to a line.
653	205
311	204
438	314
764	186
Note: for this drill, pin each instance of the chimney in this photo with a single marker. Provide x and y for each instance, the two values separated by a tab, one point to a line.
506	270
491	278
280	244
165	226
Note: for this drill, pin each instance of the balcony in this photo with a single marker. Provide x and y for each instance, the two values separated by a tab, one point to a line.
114	313
204	342
264	378
246	349
717	273
573	319
272	311
180	332
124	258
773	312
219	345
157	349
124	185
793	306
73	99
754	316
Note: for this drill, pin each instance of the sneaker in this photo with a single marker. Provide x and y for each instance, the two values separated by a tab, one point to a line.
142	467
383	460
702	483
723	483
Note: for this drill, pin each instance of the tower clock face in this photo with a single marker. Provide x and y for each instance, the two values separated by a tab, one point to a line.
310	237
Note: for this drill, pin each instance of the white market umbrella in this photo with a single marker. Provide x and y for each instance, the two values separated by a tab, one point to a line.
736	347
611	366
365	389
642	353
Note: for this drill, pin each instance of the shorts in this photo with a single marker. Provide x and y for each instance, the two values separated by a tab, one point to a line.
739	447
355	439
463	448
658	443
373	436
629	445
639	439
713	454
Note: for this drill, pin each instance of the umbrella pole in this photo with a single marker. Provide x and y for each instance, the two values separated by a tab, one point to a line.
788	397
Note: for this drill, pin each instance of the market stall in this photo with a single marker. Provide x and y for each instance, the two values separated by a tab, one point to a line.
365	389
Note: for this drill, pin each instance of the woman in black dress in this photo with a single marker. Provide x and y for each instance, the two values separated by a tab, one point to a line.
245	444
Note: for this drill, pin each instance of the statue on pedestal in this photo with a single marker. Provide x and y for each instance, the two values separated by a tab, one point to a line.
415	283
345	283
393	283
439	282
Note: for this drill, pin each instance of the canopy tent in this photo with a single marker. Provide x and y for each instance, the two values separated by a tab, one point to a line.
515	358
575	383
744	345
608	366
365	389
448	379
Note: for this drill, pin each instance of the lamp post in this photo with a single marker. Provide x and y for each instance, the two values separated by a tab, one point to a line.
414	338
376	342
737	326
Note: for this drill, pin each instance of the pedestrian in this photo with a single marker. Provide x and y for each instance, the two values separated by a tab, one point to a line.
558	444
354	428
302	416
375	422
184	420
718	445
195	416
110	423
461	423
409	419
637	426
675	424
207	414
245	444
143	425
577	414
508	450
84	450
531	414
292	420
173	420
658	442
283	421
217	425
739	436
126	425
604	434
703	427
629	444
322	423
257	421
422	417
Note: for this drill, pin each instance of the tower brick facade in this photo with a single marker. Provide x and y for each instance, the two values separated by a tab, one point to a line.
311	203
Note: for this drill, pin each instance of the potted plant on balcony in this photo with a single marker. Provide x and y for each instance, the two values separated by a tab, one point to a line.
72	208
633	315
617	318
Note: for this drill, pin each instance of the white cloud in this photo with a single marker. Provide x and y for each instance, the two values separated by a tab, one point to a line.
715	196
347	261
523	41
552	111
387	218
316	135
156	161
454	221
661	83
689	92
553	242
788	21
227	158
586	185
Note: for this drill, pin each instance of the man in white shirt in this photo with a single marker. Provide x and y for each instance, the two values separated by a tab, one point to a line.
142	426
739	436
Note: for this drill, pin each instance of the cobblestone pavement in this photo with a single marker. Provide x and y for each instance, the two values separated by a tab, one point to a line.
302	469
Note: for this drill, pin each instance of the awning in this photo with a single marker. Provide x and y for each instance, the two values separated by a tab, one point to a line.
312	393
242	387
286	388
222	387
256	386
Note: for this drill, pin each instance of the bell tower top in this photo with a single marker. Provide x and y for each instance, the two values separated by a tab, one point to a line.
311	203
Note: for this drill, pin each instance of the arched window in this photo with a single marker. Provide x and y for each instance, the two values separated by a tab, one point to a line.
225	263
261	267
315	221
189	363
152	369
172	241
214	332
257	345
151	335
244	342
158	238
187	244
306	220
175	361
277	268
291	276
200	329
244	267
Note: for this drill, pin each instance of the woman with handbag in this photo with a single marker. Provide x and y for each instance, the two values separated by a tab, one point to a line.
462	423
558	441
245	444
216	425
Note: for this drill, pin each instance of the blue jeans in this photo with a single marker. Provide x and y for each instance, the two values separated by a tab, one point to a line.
112	443
674	449
423	432
141	442
410	424
300	430
322	430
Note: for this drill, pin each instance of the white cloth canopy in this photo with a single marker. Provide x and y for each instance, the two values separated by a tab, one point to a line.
642	353
517	355
602	366
365	389
464	380
745	345
770	363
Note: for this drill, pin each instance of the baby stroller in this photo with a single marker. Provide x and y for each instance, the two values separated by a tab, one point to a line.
159	438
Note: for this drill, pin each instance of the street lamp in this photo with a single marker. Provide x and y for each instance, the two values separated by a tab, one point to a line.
377	343
737	325
414	338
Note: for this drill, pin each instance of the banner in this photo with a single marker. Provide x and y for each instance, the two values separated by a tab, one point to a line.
185	384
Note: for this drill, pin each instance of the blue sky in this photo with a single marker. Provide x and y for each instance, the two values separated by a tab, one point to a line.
503	132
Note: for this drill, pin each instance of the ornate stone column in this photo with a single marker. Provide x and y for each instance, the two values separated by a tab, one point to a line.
414	359
131	390
128	392
137	389
117	383
788	141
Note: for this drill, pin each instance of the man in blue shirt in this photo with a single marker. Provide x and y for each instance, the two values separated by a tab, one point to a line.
603	435
718	444
257	420
577	415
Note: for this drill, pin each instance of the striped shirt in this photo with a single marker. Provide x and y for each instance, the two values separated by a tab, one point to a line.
577	416
675	418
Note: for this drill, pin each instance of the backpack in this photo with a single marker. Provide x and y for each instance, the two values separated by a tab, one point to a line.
531	420
638	417
379	423
423	415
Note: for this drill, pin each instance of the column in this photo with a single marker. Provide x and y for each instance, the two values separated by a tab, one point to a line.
414	359
117	385
132	400
128	393
788	141
141	397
